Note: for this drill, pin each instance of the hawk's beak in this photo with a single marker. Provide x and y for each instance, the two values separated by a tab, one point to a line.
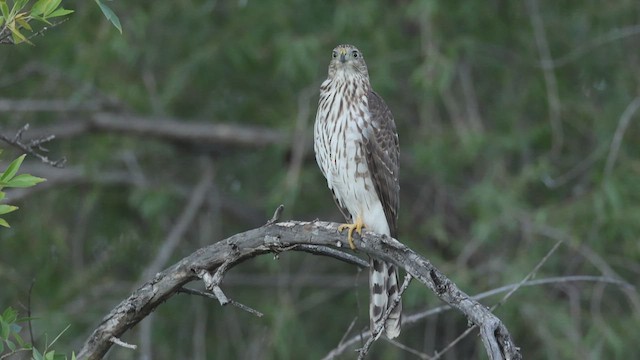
343	55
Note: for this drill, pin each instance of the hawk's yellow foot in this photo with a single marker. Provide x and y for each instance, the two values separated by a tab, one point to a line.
357	226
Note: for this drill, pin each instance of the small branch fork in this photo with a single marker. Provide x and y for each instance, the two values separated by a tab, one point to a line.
318	238
119	342
212	283
34	146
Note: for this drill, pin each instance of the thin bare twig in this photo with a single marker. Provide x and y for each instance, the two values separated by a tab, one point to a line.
404	347
504	298
246	308
33	147
545	281
216	279
613	35
47	28
117	341
580	168
276	215
229	301
415	318
623	124
529	275
212	283
455	342
346	333
550	81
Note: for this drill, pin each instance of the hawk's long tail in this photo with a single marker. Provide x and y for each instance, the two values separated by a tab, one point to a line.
383	287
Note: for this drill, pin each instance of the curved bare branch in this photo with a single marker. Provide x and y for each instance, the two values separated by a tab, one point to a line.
315	237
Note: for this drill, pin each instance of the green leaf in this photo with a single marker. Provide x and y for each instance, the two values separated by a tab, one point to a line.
36	354
50	355
24	24
19	5
11	345
4	9
51	6
2	195
38	7
41	19
1	347
4	330
24	180
9	315
60	357
4	223
60	12
18	37
20	341
5	209
12	169
110	15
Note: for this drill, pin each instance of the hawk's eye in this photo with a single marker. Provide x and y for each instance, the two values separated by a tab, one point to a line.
334	55
355	54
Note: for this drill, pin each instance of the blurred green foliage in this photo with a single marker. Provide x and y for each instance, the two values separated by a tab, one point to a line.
504	153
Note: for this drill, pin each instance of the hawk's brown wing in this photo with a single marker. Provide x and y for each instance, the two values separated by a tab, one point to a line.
383	159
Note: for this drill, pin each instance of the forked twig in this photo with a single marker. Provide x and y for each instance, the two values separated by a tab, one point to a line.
33	147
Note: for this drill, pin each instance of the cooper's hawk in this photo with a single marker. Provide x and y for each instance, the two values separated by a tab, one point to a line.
357	149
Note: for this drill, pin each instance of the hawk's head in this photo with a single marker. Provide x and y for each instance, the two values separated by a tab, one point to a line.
347	60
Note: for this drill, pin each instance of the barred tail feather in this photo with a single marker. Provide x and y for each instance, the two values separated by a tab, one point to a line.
383	286
394	322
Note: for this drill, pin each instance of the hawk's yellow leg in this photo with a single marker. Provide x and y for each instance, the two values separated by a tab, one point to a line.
357	226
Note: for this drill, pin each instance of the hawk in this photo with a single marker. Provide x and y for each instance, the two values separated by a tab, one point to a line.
357	150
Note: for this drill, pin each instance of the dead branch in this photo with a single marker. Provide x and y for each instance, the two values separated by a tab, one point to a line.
34	146
47	105
296	236
169	129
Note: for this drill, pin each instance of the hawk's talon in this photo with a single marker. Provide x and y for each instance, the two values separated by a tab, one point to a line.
357	226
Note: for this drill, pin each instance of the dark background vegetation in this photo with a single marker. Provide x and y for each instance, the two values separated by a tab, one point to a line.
507	113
